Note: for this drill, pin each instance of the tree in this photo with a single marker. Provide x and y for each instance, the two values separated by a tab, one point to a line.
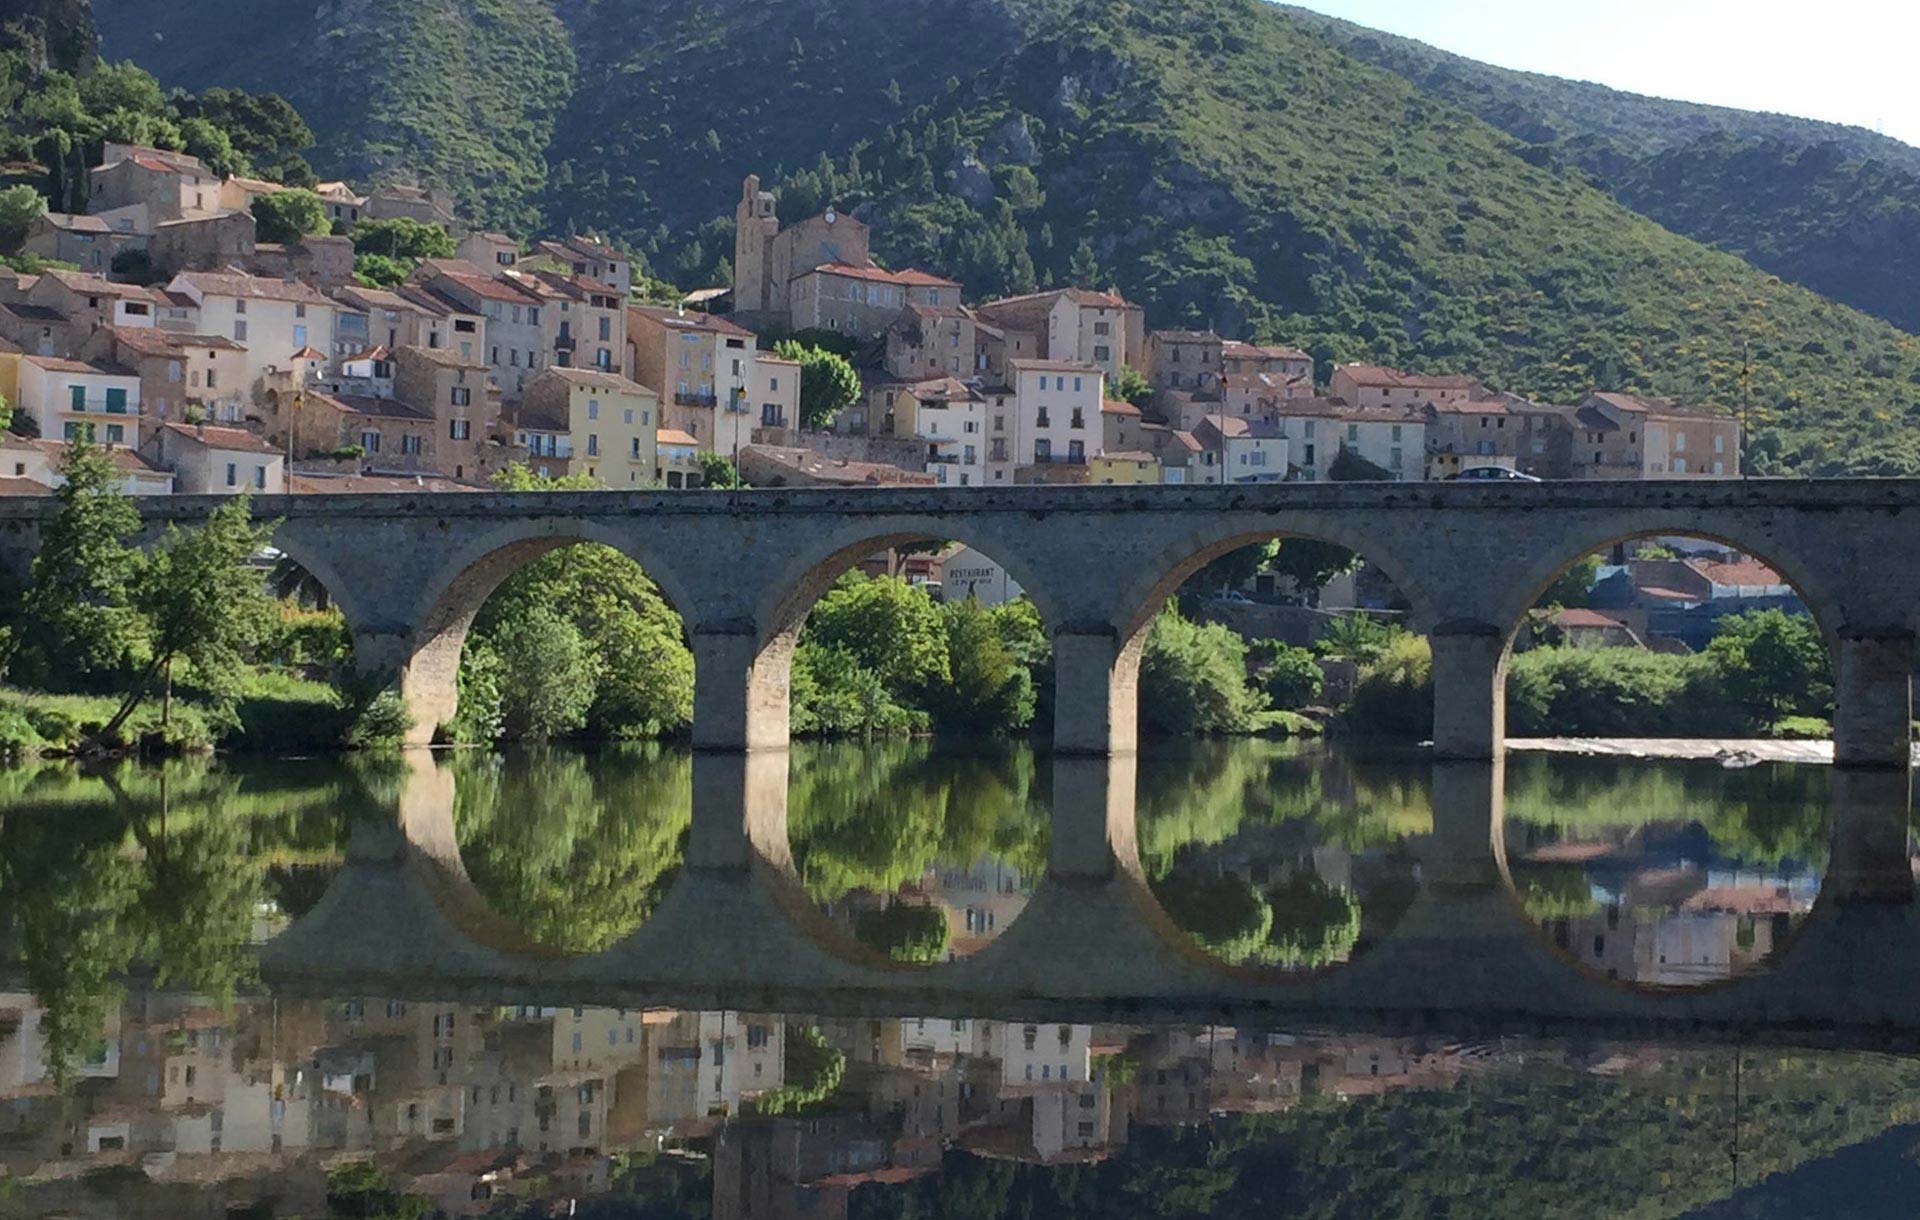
77	621
1193	678
828	384
379	271
1349	467
717	471
1132	386
1290	676
548	676
400	242
988	690
1225	913
1235	568
20	206
1774	664
1311	563
521	477
290	215
1573	586
202	602
886	625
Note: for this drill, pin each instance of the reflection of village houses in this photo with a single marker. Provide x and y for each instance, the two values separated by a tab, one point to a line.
1658	904
481	1108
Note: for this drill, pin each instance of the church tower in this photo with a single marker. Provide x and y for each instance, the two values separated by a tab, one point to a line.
755	227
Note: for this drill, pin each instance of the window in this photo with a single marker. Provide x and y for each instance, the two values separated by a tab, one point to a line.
1353	432
461	396
1076	451
1102	353
299	336
593	444
233	474
459	429
173	371
1078	419
1396	430
76	398
628	414
240	307
533	315
1719	445
239	330
1679	442
1076	385
260	477
117	400
1043	450
410	444
370	442
636	449
116	434
593	408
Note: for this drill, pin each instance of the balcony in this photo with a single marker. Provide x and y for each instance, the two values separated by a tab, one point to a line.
86	406
1059	459
695	398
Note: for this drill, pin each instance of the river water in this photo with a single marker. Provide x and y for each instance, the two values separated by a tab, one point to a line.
147	1069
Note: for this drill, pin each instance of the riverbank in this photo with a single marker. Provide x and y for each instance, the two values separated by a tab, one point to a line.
1734	751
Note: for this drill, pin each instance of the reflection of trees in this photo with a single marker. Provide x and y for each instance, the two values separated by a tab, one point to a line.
101	867
1314	924
575	847
877	816
1765	815
904	932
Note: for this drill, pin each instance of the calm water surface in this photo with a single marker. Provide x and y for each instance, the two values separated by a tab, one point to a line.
145	1070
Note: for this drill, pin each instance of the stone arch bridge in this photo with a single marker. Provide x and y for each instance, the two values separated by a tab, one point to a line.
409	573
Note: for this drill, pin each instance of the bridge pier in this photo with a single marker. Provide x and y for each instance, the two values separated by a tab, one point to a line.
428	677
1873	698
1096	691
740	689
1868	857
1469	690
1092	836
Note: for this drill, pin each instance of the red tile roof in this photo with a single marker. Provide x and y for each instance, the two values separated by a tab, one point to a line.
214	437
911	277
1380	376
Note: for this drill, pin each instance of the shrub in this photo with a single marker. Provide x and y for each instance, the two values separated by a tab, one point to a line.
17	735
383	722
1193	679
1394	695
1599	692
1290	676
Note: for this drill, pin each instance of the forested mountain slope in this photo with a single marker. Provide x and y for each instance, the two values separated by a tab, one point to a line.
1221	161
1833	207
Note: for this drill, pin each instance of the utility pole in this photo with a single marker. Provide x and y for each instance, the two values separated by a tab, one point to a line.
1746	404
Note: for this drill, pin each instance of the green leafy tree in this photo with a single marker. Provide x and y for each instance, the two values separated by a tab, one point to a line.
828	382
78	622
814	1069
385	252
886	625
20	206
988	690
379	271
521	477
361	1190
1290	676
716	470
1225	912
204	603
290	215
1573	586
548	676
1193	679
1132	386
1311	563
1349	467
1774	664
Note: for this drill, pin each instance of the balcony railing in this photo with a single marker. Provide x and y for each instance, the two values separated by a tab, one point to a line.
85	405
695	398
1059	459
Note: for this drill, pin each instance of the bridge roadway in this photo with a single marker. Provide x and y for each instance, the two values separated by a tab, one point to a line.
409	573
736	931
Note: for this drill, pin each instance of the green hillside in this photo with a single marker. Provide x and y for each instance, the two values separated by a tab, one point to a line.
1833	207
1219	160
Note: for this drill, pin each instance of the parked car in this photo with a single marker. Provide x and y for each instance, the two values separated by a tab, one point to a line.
1232	595
1494	474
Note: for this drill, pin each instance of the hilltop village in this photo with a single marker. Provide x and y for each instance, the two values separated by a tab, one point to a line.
213	361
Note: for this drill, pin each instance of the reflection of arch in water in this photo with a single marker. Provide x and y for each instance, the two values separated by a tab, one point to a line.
1643	893
401	906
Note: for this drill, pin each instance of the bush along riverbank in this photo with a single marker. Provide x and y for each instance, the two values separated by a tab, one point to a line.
108	648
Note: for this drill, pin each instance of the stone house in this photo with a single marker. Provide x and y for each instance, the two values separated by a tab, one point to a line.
994	346
1251	450
1391	437
455	394
1281	363
146	186
202	243
583	324
39	329
676	460
179	374
702	367
613	423
1078	325
391	435
272	318
325	263
1466	433
1122	426
861	301
407	316
1057	412
213	461
780	466
950	416
926	341
1635	437
88	302
1373	385
65	398
1184	362
488	249
766	257
586	257
401	201
88	242
344	205
513	339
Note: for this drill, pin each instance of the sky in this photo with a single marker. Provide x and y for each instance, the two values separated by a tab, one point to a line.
1847	61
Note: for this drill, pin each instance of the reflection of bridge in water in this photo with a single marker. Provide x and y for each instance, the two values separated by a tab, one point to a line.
736	931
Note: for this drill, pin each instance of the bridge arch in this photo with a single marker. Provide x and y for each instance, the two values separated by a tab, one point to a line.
434	629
